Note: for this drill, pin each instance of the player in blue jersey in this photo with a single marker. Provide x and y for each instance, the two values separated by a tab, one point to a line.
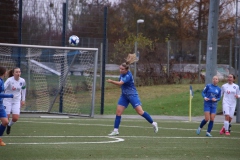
211	94
129	95
3	115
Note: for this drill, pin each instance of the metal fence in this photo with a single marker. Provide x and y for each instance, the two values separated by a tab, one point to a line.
179	61
50	22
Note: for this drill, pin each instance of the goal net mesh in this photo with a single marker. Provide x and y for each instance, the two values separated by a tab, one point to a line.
59	79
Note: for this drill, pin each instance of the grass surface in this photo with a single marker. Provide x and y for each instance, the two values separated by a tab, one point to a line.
159	100
65	139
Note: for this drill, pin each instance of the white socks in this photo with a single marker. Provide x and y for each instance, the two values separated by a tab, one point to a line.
11	123
226	125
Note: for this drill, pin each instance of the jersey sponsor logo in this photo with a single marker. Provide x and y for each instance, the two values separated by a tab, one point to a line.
228	92
13	88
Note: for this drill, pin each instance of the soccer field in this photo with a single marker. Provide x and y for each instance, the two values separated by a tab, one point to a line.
80	138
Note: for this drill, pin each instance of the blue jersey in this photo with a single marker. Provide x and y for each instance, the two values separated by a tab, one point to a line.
128	87
2	95
211	91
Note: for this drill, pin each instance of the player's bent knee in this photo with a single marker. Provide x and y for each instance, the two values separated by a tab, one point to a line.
206	119
227	117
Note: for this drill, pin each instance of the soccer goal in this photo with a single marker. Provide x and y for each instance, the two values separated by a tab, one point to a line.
59	80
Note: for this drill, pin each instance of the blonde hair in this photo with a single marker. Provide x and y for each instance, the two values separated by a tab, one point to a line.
131	58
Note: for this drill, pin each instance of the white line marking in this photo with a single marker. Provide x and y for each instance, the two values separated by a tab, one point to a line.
105	125
115	139
53	117
180	137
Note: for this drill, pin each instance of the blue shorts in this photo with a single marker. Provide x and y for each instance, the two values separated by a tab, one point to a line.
124	100
3	113
210	107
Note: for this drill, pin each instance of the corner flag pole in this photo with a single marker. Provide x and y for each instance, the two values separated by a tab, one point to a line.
190	103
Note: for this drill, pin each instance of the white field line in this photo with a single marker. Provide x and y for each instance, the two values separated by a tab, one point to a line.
105	125
115	140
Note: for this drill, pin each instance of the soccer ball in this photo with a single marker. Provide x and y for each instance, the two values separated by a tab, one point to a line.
73	40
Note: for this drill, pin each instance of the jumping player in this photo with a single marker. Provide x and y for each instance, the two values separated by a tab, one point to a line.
129	95
3	115
211	94
230	92
14	85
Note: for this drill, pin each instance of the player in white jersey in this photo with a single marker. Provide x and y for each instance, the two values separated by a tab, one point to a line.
17	86
230	92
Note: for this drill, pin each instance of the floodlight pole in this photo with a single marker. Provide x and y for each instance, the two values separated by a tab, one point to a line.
237	63
212	41
136	52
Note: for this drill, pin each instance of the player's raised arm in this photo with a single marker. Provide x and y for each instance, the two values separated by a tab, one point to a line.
118	83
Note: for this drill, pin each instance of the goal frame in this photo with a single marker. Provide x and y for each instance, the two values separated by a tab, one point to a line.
92	107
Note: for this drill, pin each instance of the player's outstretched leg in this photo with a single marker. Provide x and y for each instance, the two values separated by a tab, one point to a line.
150	120
116	126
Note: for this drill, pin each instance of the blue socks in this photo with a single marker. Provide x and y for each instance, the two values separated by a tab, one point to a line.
117	122
210	126
118	119
2	129
202	123
147	117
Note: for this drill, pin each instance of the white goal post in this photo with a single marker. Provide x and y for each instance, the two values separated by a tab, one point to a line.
60	80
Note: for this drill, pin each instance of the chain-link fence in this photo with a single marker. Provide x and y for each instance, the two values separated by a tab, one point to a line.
179	62
51	22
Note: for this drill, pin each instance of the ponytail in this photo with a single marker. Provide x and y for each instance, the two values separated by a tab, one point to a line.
131	58
10	72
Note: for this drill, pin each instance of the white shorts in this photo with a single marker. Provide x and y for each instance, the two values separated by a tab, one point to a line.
12	107
228	110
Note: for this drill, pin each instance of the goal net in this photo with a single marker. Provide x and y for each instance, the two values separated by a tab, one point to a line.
59	80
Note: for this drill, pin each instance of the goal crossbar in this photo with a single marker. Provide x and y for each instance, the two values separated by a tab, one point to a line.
47	47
